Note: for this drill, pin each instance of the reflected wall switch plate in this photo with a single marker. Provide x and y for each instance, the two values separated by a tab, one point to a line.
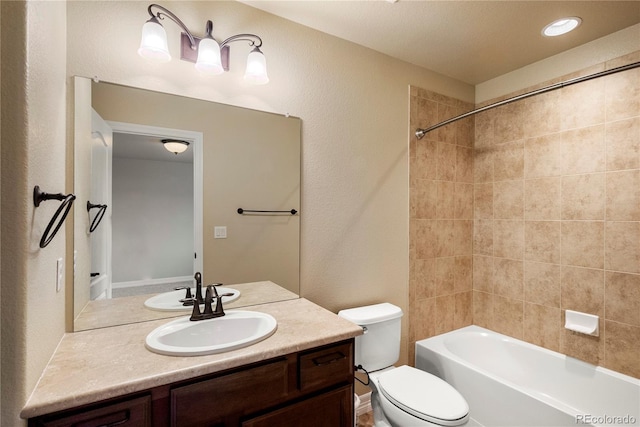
59	273
220	232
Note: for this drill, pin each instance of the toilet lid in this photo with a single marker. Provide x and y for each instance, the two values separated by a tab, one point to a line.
424	396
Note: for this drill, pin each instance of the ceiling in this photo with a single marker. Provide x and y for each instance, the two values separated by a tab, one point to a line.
472	41
143	147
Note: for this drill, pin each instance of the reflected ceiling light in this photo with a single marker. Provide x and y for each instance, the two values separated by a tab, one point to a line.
210	56
561	26
175	146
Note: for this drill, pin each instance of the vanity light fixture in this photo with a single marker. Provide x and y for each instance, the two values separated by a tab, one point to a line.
209	56
175	146
561	26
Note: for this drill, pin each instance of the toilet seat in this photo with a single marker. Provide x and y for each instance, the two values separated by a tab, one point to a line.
424	396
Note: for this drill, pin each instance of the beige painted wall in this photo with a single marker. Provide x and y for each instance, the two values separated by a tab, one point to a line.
33	153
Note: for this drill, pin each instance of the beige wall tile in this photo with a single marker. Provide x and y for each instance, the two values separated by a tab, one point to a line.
543	156
424	199
583	150
484	134
463	237
508	239
463	281
483	165
446	133
622	348
508	316
463	315
423	316
542	283
542	325
426	160
623	195
581	346
583	290
583	243
424	278
509	161
582	104
445	276
424	237
583	197
622	297
622	248
445	313
465	131
542	241
446	166
445	238
542	198
464	164
445	205
622	95
483	201
483	237
622	140
463	201
542	115
483	273
483	309
508	200
508	124
508	277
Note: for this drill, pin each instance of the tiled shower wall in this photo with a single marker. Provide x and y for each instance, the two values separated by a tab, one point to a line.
441	218
556	220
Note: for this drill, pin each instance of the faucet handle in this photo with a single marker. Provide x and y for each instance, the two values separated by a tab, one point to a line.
188	299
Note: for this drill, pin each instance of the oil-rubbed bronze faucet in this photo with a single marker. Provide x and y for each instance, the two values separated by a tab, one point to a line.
209	312
189	299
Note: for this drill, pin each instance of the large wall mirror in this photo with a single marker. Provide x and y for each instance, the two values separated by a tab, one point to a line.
147	217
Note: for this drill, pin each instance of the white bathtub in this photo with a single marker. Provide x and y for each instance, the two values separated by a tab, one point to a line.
508	382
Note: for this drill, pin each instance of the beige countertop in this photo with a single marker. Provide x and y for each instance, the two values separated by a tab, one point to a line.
99	364
120	311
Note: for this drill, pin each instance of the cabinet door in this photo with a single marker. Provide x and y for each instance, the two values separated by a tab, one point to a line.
130	413
331	409
218	401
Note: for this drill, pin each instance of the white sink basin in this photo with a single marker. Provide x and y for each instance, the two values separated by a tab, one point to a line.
170	301
236	329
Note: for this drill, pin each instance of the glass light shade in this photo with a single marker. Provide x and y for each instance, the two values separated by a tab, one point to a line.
174	146
561	26
256	71
153	45
209	57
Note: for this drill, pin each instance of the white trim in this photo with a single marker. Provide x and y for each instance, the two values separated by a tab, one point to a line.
197	139
145	282
365	404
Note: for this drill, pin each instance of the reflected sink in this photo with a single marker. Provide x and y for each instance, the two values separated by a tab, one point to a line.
234	330
170	301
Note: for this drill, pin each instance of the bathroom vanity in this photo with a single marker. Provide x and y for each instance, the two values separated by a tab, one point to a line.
301	375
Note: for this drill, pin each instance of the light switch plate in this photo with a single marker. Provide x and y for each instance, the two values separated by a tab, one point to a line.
59	273
220	232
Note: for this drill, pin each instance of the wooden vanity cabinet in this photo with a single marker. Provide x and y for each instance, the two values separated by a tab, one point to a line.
313	388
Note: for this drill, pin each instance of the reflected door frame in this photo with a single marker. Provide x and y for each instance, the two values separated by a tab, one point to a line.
196	140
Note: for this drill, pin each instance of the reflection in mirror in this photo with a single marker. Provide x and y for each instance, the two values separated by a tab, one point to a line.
170	215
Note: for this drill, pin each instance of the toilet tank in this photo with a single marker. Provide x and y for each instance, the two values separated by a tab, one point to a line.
379	346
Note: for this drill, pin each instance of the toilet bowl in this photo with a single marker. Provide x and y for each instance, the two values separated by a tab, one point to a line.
408	397
402	396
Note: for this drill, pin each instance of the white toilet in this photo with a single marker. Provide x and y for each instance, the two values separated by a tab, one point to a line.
402	396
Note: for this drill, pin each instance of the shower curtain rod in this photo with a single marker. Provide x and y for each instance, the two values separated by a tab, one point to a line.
420	133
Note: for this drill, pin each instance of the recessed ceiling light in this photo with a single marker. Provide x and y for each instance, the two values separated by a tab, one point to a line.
561	26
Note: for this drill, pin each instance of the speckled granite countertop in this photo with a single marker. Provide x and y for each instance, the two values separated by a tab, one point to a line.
99	364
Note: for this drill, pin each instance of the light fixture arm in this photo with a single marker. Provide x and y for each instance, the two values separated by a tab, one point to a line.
166	12
251	38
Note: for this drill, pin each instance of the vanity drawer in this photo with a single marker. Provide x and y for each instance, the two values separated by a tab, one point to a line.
326	366
130	413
